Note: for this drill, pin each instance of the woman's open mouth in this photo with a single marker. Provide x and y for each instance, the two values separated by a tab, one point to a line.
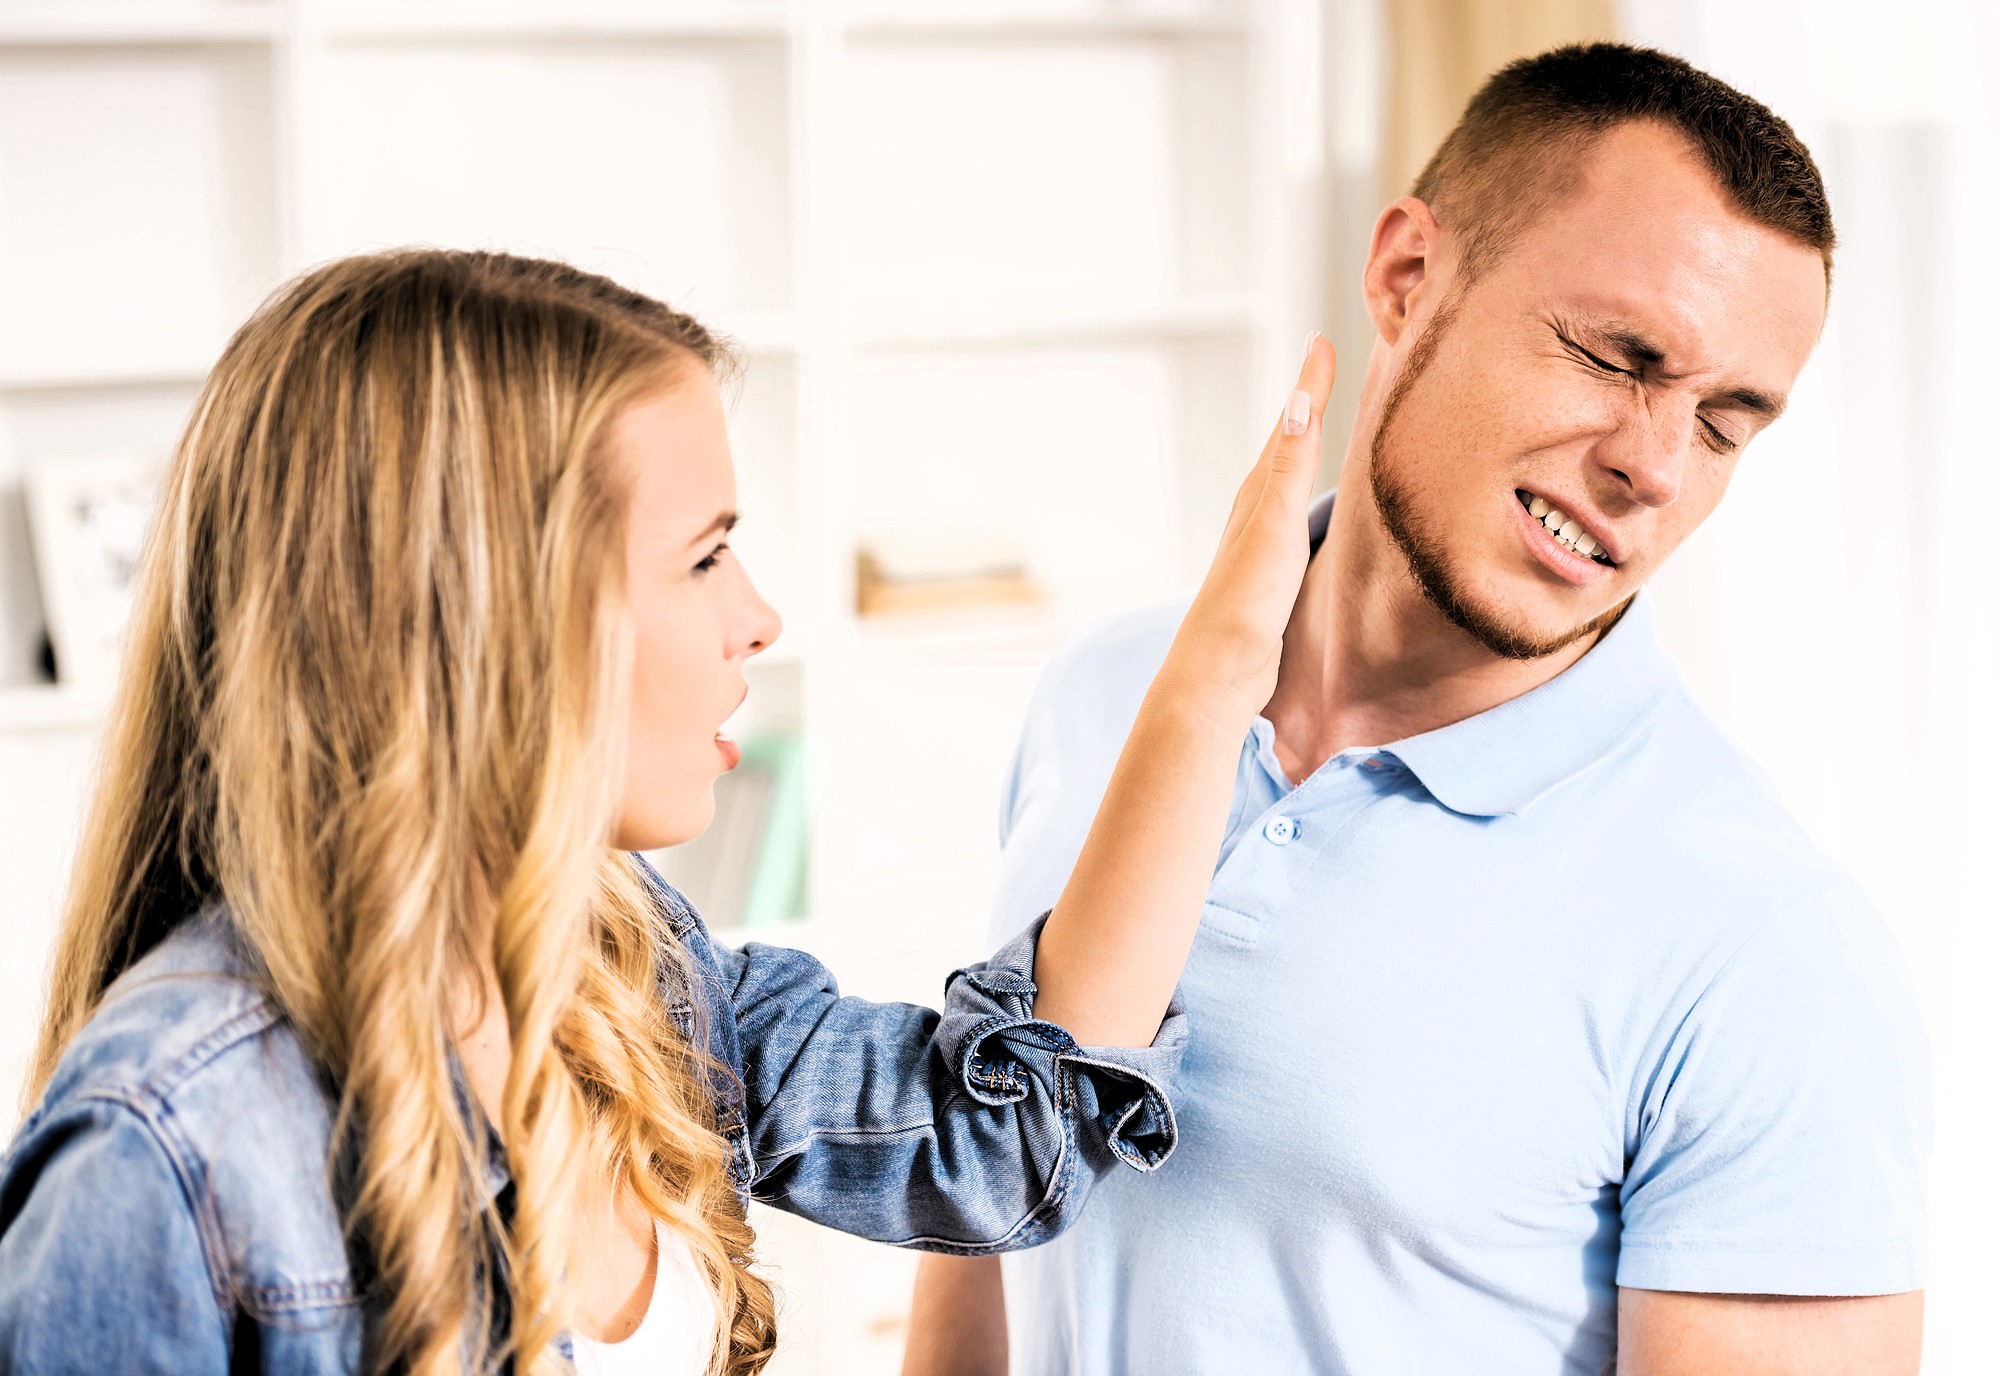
732	753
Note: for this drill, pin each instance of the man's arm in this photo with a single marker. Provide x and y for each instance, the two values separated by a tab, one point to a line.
1663	1333
1779	1160
958	1320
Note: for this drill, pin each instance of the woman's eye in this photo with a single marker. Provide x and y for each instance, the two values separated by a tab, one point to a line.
713	555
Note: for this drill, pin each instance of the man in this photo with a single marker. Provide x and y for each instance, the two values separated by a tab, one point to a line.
1529	1033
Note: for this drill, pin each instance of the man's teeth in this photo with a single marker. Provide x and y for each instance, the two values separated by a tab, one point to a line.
1567	532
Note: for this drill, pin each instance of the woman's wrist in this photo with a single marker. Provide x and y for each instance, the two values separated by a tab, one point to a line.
1189	694
1193	715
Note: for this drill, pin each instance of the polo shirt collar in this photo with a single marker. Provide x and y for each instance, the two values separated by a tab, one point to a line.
1507	757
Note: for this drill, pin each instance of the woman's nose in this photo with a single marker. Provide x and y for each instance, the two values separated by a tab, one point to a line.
761	623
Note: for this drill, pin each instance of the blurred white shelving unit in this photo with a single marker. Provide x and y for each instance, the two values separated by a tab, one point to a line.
1038	264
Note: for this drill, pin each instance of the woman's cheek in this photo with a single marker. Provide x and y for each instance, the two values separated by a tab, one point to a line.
668	796
669	763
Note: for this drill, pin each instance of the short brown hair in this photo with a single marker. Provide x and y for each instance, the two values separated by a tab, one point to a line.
1520	142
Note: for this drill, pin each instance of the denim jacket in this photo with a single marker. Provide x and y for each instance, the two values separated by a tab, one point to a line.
167	1208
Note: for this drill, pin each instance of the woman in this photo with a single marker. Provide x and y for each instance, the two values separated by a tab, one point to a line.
370	1046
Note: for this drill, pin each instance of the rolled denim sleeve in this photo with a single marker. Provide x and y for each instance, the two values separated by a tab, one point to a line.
973	1130
101	1261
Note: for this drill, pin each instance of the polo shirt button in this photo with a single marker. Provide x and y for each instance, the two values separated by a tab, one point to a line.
1280	830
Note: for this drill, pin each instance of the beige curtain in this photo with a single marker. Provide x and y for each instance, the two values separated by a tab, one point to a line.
1439	52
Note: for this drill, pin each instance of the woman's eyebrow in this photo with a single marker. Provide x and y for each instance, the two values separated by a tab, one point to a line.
721	525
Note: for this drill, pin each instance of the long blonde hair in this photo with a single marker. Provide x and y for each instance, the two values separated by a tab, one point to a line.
374	695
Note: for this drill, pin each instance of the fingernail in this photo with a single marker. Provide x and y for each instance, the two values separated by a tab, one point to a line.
1298	413
1311	340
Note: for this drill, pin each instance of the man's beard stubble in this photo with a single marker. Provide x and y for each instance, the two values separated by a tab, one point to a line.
1424	552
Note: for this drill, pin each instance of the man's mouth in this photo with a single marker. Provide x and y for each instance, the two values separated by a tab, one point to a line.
1563	529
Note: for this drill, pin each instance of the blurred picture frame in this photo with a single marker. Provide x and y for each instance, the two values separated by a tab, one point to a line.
87	523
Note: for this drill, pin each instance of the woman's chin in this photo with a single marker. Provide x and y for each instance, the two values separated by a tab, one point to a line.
656	829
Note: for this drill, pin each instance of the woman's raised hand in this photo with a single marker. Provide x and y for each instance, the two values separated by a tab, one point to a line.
1227	648
1114	946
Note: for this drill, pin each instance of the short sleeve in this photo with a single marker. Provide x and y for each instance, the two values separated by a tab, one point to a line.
1782	1139
1022	893
1077	720
101	1264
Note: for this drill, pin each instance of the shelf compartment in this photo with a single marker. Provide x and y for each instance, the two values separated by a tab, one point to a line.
48	426
763	439
759	334
47	707
138	206
1219	318
31	385
456	22
137	25
1016	181
893	23
1073	449
900	859
665	167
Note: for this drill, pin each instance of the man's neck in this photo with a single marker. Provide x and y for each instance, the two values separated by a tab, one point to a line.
1369	660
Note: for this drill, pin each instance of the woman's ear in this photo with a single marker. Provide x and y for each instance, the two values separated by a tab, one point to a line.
1405	251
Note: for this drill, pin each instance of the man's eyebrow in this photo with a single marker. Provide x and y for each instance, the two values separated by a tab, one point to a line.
1642	352
1759	403
1635	346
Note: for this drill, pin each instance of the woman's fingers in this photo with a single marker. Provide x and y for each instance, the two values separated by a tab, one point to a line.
1292	452
1297	440
1295	450
1235	628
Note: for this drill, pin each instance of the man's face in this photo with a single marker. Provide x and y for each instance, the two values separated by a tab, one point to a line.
1609	367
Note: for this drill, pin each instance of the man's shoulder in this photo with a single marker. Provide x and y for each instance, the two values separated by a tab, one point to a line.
1076	724
1707	814
1103	670
1131	641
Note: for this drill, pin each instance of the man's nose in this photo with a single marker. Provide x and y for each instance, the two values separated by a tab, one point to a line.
1649	452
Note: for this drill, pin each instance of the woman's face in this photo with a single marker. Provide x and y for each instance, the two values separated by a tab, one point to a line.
696	617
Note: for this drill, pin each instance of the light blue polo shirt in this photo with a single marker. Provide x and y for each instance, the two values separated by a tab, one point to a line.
1485	1024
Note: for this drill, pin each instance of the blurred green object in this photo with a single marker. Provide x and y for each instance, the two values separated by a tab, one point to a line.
748	869
777	887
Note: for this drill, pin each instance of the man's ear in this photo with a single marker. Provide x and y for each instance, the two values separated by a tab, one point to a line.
1406	250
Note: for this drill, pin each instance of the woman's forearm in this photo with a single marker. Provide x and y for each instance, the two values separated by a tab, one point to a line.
1113	949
